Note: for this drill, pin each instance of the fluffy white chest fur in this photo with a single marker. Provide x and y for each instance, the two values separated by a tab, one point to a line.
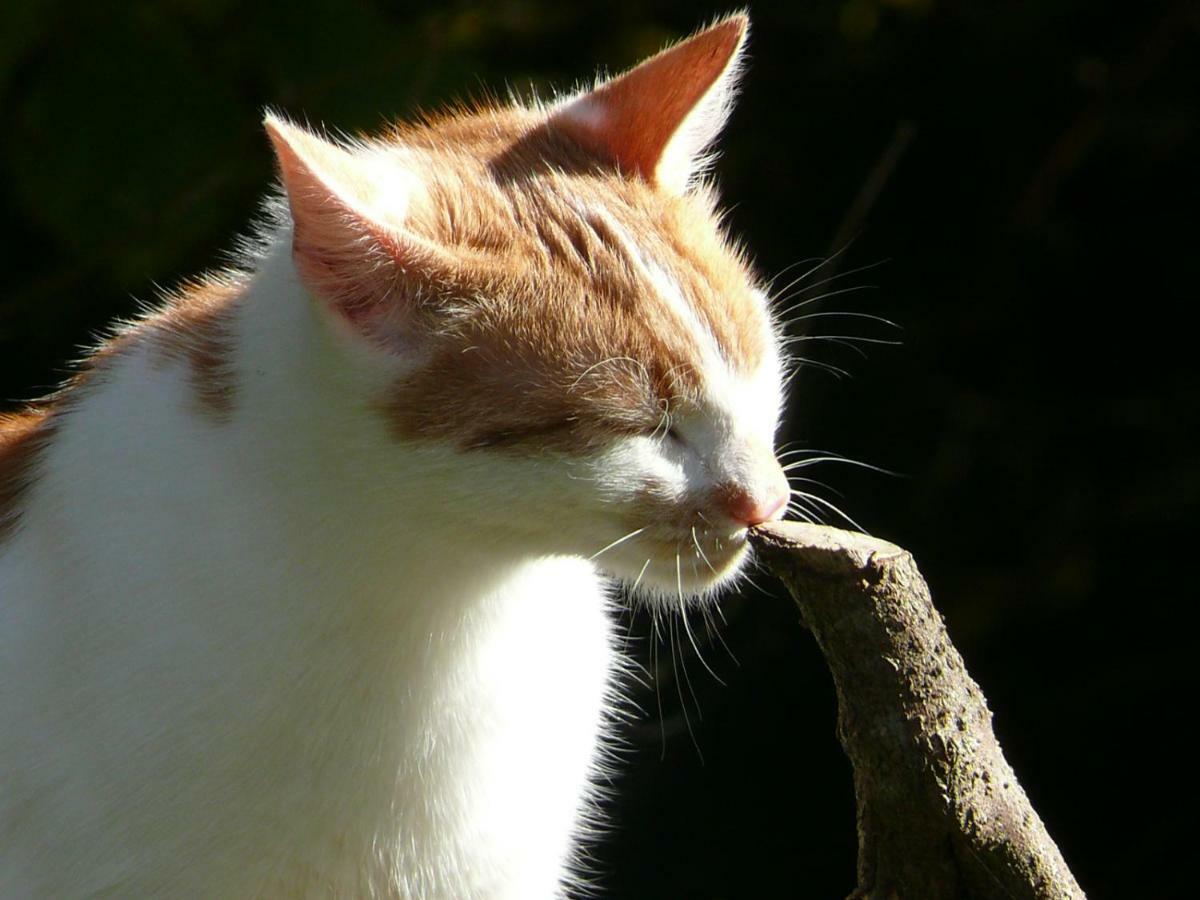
299	585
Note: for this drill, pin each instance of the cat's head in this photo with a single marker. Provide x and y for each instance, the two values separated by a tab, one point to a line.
560	313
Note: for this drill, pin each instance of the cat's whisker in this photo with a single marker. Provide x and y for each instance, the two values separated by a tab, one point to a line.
638	580
714	630
784	314
700	656
628	616
744	576
787	450
829	340
798	479
823	261
802	513
701	552
846	314
830	506
785	317
788	447
618	541
817	364
816	284
677	663
848	340
812	461
654	645
790	377
770	285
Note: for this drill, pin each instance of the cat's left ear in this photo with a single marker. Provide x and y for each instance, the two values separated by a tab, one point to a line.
351	239
657	120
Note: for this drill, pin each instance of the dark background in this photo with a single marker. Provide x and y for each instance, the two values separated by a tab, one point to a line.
1036	243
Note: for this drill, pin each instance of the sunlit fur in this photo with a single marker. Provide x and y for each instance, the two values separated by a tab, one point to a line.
304	579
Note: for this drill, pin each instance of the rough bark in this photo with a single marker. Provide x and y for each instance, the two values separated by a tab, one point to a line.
940	812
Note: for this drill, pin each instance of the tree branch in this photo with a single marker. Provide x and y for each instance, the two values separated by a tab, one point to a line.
940	812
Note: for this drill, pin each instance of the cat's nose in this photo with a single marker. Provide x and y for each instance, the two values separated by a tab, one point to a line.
750	507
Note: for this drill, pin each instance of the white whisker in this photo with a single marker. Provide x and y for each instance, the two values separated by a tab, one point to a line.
619	540
847	315
701	552
796	478
830	506
821	264
816	284
800	512
847	340
785	313
700	656
714	630
638	580
817	364
771	292
812	461
676	663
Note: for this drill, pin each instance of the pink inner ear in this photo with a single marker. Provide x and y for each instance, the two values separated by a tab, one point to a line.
345	256
345	261
631	119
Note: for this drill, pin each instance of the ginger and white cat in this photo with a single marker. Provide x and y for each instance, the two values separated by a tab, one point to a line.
304	577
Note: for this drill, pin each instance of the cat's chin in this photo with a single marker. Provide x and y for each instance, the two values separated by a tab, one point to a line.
673	573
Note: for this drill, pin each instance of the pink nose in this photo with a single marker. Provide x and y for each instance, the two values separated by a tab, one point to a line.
751	509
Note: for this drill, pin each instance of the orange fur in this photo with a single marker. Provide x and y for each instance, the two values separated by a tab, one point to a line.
194	327
22	437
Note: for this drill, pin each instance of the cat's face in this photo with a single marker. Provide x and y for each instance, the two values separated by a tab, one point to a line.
564	315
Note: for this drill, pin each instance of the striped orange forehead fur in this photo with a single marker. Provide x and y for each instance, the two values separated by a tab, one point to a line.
556	332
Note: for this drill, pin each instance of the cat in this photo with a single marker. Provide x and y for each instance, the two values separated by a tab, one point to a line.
305	576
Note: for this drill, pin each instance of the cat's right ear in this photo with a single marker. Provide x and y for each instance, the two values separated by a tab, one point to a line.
349	240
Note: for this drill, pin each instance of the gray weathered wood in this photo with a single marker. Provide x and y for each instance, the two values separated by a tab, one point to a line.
940	811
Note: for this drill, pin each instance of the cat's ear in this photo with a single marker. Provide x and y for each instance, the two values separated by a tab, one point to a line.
349	239
658	119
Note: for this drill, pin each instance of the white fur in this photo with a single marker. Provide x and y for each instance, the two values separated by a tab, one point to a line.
285	653
345	676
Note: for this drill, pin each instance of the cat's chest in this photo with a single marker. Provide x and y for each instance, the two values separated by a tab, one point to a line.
478	749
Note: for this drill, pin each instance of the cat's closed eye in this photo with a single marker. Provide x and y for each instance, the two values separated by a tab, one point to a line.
675	434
